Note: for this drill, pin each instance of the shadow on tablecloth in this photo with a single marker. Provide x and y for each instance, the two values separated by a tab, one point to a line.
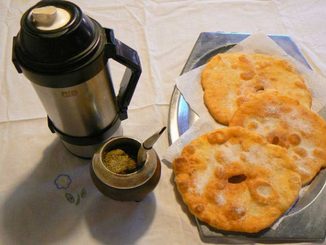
114	222
37	211
52	201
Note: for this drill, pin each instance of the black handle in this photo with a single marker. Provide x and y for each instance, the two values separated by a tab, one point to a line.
128	57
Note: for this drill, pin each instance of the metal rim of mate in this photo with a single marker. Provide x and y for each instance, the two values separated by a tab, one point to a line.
124	181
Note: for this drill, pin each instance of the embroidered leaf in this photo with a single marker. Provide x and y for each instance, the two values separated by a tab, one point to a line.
78	200
83	193
70	198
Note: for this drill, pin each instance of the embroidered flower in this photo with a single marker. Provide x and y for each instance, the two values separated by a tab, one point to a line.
62	181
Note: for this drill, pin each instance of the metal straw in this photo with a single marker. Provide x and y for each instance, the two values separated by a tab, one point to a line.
146	146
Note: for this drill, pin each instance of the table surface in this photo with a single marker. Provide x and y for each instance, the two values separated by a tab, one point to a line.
33	210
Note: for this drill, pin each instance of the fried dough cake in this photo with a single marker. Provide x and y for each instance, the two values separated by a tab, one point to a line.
285	122
234	180
229	79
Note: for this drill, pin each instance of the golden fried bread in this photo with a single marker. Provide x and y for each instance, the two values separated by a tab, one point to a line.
234	180
229	79
285	122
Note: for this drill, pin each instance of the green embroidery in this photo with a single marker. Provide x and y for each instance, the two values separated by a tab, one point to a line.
83	193
63	182
70	198
78	199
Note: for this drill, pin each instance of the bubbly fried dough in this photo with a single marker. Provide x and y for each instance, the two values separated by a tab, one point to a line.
285	122
234	180
229	79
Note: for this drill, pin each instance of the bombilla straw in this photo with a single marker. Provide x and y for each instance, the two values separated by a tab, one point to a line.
147	145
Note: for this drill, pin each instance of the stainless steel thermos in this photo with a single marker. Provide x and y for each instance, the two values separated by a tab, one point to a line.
64	53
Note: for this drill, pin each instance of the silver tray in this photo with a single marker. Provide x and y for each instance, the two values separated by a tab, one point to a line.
306	220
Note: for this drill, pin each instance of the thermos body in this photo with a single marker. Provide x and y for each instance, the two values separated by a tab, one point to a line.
64	53
83	109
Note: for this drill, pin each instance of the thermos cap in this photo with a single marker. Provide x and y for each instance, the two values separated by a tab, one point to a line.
56	37
50	18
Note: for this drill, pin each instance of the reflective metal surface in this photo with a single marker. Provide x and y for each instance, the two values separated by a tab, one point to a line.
87	151
83	109
306	220
124	181
133	186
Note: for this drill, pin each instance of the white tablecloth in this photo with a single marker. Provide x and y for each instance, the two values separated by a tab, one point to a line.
34	208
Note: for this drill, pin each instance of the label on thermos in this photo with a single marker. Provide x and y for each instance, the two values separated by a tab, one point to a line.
69	93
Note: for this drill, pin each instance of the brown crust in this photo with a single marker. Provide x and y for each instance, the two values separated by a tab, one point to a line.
285	122
233	180
229	79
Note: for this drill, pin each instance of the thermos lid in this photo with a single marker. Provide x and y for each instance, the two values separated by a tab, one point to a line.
56	37
49	17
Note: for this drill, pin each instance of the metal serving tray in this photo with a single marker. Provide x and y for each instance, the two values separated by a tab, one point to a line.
306	221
